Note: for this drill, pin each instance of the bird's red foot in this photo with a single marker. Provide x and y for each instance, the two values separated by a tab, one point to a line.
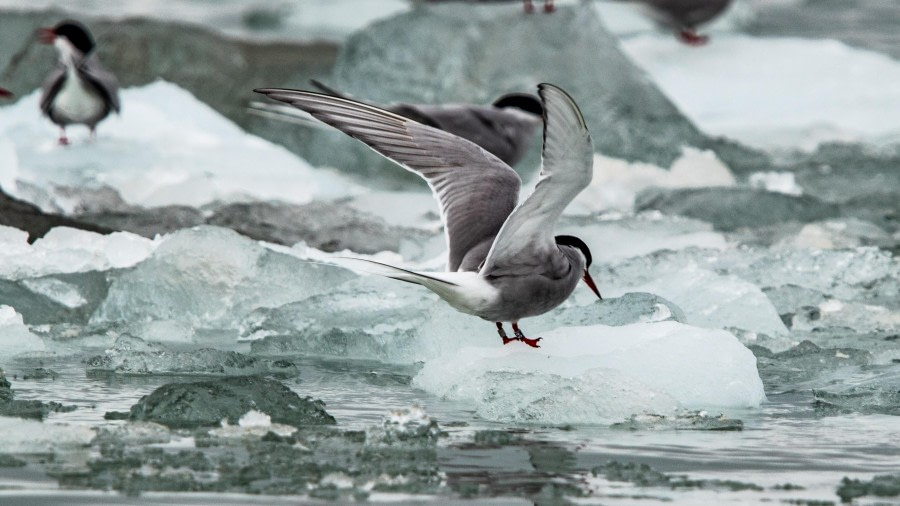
692	38
507	340
529	7
530	342
63	141
549	7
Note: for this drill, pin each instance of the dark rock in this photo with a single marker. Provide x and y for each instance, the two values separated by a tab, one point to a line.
116	415
207	403
40	373
643	475
7	460
733	208
147	222
328	226
879	486
28	217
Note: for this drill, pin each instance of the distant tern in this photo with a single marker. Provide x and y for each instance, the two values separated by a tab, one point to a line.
504	263
505	128
79	91
684	16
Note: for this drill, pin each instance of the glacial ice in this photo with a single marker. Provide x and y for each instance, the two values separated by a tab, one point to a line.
775	92
190	155
600	374
617	182
208	276
66	250
15	338
31	436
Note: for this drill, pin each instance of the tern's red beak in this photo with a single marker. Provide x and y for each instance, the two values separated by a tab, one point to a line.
590	282
46	35
5	93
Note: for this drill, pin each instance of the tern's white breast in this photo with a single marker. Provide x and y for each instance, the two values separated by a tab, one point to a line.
76	101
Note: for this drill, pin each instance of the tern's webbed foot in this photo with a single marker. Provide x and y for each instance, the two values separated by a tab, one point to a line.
530	342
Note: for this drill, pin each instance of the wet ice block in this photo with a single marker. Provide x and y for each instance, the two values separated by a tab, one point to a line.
600	374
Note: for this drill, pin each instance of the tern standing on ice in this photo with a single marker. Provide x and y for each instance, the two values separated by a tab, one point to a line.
504	262
685	15
505	128
79	91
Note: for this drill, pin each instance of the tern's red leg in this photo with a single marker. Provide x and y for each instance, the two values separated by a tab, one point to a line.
549	7
93	134
502	333
529	6
521	337
63	140
690	37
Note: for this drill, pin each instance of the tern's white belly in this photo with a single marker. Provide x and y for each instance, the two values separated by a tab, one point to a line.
76	101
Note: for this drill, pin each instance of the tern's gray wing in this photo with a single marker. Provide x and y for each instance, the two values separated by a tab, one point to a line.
526	239
504	134
104	81
52	84
475	189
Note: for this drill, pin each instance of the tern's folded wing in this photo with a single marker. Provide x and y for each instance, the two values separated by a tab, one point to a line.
475	189
526	238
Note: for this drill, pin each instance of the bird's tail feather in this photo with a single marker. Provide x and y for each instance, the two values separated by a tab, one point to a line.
286	114
389	271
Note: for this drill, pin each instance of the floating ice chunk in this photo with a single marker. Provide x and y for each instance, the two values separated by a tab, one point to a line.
368	318
600	374
781	182
67	250
131	355
166	148
57	290
29	436
712	300
207	276
616	239
254	418
15	338
691	420
253	423
775	92
616	182
838	234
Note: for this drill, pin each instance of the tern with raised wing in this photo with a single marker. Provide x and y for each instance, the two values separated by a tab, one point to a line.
505	127
80	91
504	262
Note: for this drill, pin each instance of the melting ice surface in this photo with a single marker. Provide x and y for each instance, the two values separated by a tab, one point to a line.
787	331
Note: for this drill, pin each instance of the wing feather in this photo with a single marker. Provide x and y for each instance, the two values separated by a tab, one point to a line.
475	189
527	238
